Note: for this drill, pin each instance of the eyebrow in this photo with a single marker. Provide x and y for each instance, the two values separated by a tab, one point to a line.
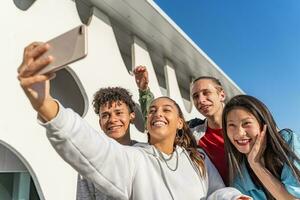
115	110
102	113
247	118
165	105
198	91
228	120
119	109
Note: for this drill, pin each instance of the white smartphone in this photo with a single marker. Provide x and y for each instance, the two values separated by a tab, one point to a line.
66	48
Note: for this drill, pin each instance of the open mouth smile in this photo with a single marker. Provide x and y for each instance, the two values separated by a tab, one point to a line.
243	142
112	128
158	123
204	107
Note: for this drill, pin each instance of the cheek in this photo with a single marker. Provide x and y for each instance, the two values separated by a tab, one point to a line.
149	118
125	121
254	135
194	101
230	136
253	132
102	125
217	103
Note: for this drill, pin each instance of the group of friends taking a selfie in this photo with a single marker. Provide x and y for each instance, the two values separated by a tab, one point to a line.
235	152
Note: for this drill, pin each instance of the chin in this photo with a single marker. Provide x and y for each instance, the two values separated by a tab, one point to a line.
244	151
115	135
157	136
241	150
206	114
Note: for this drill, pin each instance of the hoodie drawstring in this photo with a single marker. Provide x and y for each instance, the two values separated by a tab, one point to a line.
163	173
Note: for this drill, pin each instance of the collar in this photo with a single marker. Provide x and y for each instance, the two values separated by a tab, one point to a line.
199	130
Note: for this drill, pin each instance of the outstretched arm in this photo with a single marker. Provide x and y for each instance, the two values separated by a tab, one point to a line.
145	95
90	153
37	87
102	160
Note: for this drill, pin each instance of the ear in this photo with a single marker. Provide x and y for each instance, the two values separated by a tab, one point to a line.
222	96
180	124
132	117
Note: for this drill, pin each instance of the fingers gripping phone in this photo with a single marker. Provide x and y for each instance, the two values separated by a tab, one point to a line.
66	48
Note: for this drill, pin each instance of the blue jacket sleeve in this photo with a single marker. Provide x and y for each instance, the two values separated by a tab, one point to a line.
240	188
287	176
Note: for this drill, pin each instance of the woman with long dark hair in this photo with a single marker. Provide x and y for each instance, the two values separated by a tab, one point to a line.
263	161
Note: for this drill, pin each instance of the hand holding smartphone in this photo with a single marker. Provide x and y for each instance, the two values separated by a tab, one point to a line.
66	48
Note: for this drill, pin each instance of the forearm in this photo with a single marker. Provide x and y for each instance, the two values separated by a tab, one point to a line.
48	110
228	193
39	96
271	183
146	97
91	153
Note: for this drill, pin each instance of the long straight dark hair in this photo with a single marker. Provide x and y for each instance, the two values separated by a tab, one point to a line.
186	140
277	152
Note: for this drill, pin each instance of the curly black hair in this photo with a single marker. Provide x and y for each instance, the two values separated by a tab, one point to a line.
110	95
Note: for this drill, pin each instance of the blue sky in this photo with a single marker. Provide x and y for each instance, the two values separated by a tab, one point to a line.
257	43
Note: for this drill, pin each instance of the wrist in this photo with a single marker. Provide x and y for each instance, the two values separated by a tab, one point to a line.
256	166
144	90
48	110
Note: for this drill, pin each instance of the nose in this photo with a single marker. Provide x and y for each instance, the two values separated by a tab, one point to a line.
201	98
241	131
113	118
158	112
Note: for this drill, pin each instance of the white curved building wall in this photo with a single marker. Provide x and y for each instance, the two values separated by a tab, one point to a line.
18	126
103	67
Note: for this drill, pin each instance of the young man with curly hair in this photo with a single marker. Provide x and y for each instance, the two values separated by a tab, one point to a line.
115	108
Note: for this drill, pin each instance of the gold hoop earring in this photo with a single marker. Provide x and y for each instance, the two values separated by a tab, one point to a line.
179	133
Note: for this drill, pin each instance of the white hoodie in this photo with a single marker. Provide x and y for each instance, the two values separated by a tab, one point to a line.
131	172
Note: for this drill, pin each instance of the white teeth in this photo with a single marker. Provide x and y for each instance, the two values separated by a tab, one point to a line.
113	127
243	141
159	123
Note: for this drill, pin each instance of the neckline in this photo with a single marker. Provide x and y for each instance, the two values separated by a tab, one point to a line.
214	130
161	155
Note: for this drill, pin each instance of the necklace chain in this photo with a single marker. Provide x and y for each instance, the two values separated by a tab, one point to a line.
168	159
